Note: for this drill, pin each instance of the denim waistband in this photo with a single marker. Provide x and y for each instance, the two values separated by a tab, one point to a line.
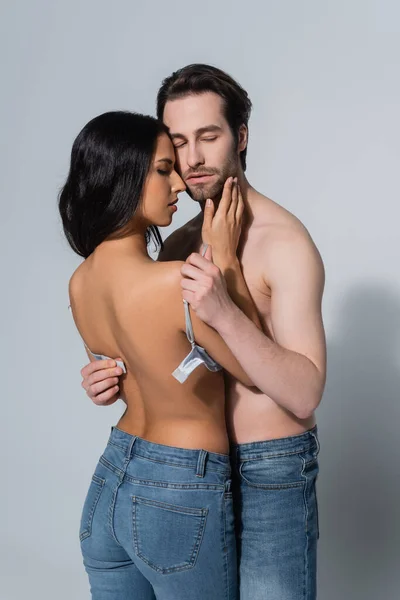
287	445
133	445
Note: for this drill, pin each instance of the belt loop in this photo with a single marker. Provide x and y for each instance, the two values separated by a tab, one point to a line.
201	463
314	433
129	450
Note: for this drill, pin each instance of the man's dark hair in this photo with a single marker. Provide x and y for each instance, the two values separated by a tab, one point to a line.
110	160
198	79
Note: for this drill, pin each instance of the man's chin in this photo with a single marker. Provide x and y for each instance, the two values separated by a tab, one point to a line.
200	194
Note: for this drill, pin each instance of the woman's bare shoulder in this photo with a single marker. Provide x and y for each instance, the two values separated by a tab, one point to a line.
165	281
76	280
154	292
155	282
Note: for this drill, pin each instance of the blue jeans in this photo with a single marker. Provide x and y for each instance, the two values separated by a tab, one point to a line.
158	523
276	510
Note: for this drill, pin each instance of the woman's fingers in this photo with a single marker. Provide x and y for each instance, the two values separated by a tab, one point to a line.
234	201
226	197
208	216
239	207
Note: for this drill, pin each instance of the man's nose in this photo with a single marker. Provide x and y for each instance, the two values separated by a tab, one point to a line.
195	157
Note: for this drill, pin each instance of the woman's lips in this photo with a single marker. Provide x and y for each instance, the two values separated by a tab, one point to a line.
173	205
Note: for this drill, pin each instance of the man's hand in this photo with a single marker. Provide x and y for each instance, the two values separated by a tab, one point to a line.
100	380
222	230
204	287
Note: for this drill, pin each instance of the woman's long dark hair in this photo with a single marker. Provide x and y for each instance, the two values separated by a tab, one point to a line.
110	160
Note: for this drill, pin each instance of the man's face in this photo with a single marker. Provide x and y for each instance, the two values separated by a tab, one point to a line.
205	147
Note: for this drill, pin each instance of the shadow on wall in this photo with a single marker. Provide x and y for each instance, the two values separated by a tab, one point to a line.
359	424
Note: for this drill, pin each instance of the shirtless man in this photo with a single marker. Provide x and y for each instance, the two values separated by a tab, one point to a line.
272	429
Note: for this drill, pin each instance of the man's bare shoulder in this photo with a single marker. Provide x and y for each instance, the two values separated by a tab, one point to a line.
182	241
283	238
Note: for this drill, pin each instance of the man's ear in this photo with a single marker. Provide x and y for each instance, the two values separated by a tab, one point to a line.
242	138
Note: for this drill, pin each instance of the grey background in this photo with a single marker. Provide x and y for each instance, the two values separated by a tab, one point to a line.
324	142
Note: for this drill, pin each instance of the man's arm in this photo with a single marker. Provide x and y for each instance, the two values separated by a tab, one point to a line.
291	369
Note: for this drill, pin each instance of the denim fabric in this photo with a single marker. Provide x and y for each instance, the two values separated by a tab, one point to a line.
274	493
158	523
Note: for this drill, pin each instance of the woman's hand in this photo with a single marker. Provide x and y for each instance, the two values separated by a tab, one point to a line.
100	380
222	228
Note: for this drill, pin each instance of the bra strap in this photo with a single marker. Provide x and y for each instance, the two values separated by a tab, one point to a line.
188	318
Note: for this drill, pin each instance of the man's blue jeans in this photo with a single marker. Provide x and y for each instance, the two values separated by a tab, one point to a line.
277	517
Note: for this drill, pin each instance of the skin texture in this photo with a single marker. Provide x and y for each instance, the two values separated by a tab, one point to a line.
138	303
283	272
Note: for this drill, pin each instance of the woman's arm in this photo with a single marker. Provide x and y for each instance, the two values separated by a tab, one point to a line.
237	288
204	335
222	232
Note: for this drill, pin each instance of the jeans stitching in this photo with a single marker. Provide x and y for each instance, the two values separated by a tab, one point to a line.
184	510
227	497
306	568
201	513
149	482
174	486
98	481
267	456
270	486
111	510
121	475
190	466
110	466
117	446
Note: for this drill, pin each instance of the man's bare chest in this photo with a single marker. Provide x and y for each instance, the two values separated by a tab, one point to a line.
260	292
252	267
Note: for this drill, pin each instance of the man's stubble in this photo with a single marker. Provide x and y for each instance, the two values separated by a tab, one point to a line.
200	193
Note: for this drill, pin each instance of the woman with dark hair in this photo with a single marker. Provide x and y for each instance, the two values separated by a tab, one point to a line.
158	518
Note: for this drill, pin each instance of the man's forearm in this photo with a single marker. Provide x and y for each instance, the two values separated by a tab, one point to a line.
292	380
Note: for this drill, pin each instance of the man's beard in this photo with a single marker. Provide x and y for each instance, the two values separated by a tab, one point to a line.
200	192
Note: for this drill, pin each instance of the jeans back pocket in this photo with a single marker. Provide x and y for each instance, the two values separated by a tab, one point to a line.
167	537
89	507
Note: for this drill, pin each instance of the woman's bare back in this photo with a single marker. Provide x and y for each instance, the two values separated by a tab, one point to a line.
125	304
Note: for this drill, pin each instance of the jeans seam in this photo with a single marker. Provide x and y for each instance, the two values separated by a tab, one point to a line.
117	446
264	456
184	510
271	486
178	486
99	481
225	548
305	582
181	465
111	467
121	475
111	513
